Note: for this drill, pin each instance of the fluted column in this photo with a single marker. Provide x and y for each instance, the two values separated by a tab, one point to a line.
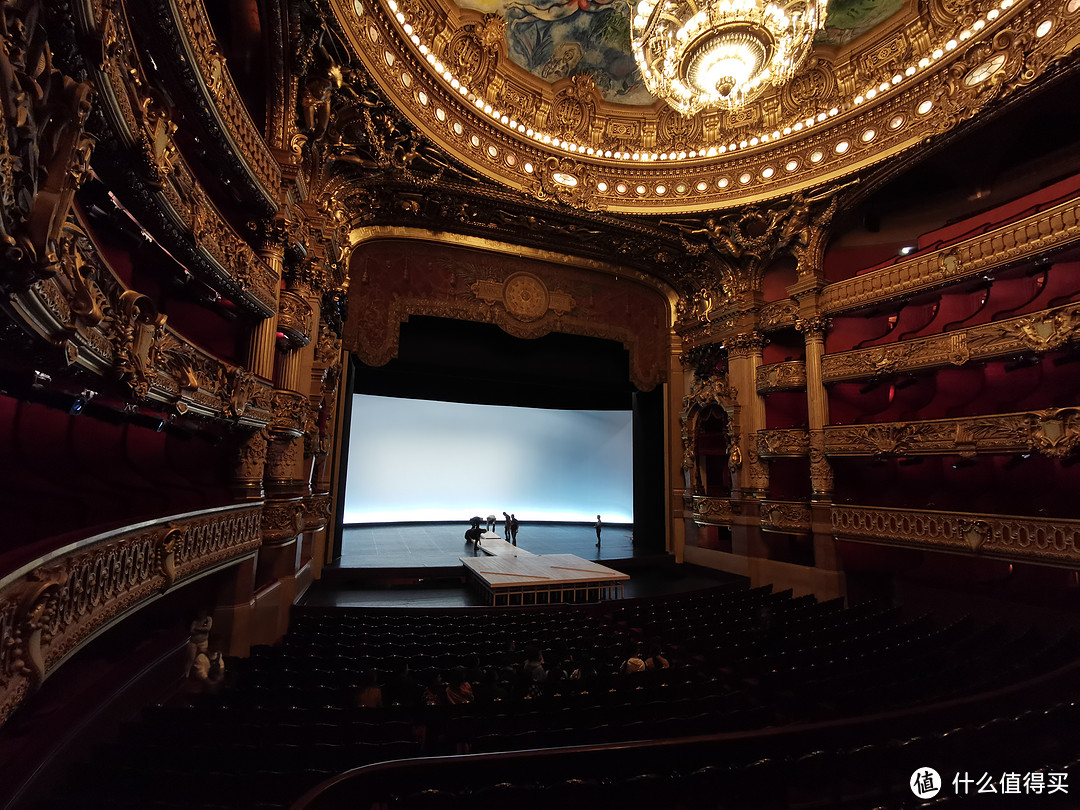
744	358
270	236
817	404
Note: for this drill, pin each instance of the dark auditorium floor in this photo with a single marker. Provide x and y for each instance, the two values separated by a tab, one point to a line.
414	547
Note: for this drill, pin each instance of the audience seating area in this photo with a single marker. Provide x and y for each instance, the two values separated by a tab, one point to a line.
769	701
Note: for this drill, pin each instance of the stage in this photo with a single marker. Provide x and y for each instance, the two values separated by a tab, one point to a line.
510	575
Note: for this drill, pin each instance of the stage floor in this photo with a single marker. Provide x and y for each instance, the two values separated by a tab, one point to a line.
439	545
519	578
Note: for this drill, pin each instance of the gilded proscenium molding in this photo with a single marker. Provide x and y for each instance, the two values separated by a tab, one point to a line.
863	107
119	334
152	177
1049	541
787	376
1042	331
713	511
1043	232
202	74
783	443
705	392
627	307
1054	432
295	317
53	605
792	517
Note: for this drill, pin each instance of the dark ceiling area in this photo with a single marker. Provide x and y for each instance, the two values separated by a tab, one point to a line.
459	361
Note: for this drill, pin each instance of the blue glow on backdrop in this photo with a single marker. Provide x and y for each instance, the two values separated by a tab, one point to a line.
419	460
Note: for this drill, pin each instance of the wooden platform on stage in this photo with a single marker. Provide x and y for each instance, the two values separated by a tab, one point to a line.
515	577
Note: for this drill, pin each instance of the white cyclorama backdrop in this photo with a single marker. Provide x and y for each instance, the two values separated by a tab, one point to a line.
420	460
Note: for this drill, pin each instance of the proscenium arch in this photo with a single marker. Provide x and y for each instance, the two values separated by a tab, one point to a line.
379	305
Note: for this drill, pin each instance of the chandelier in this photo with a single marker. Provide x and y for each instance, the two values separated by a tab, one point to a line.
720	54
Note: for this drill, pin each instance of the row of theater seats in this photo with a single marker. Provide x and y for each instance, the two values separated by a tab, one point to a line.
743	660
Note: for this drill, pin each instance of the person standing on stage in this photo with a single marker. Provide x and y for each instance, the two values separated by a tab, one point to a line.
599	526
513	528
506	527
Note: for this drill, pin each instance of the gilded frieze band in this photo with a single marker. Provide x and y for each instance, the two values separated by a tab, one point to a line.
1054	432
1045	231
1040	332
1044	540
51	606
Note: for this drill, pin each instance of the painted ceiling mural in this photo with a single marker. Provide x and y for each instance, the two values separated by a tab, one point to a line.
553	39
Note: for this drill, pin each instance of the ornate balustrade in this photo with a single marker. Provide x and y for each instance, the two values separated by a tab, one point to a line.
202	74
1041	233
116	332
1039	332
295	318
1043	540
713	511
52	606
153	178
792	517
787	376
783	443
1053	432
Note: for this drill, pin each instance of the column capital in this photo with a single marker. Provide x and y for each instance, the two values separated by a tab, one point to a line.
813	327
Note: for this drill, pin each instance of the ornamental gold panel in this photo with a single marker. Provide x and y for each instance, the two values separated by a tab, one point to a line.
67	598
1047	541
1042	331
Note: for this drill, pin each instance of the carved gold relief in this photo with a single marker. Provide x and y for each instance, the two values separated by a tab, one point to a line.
791	442
524	295
713	511
1054	541
785	516
787	376
1054	432
778	315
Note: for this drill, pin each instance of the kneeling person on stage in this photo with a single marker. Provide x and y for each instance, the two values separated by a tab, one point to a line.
473	535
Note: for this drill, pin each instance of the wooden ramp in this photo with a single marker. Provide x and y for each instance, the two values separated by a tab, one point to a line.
520	578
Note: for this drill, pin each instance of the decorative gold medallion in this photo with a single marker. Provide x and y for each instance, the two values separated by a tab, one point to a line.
525	296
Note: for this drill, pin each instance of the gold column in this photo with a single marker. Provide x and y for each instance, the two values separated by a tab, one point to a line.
750	477
262	345
675	485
